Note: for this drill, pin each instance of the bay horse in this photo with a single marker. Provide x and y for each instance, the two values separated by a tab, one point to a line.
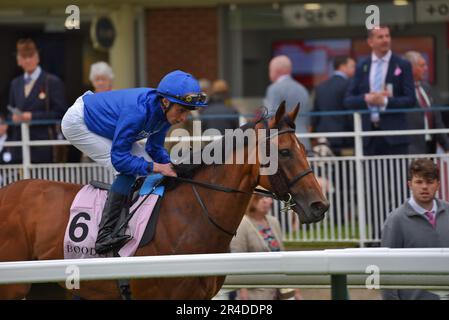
34	215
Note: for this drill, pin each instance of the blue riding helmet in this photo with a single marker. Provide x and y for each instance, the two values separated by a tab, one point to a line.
182	88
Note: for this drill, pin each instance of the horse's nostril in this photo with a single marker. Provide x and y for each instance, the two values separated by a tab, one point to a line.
319	207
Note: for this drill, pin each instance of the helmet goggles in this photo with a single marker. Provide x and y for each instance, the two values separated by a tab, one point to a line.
190	100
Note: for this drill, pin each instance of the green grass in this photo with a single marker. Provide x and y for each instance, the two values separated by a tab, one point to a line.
349	240
325	232
298	246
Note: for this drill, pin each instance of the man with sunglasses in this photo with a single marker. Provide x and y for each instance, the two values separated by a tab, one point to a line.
107	126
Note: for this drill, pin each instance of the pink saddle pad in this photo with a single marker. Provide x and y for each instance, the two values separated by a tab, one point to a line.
85	216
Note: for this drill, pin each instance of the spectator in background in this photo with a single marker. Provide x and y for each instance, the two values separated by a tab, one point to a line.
205	86
7	156
329	96
285	88
101	76
421	222
381	81
260	232
35	95
424	120
220	114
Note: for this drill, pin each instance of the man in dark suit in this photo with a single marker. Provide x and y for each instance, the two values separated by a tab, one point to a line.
381	81
329	96
36	95
428	120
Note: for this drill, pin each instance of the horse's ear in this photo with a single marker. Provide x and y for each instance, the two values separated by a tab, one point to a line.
280	112
294	113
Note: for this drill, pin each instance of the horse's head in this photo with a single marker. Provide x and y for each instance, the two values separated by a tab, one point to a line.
294	179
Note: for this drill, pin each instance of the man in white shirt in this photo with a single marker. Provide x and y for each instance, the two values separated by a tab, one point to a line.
382	81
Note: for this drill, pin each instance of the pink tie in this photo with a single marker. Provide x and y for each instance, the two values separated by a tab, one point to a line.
431	218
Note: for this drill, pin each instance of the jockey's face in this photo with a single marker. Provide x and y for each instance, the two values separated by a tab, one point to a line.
176	114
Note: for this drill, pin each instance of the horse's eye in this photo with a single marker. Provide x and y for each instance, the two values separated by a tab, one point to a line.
285	152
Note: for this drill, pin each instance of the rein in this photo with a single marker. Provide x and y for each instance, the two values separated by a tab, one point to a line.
217	188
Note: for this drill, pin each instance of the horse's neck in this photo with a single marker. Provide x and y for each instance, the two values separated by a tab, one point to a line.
185	229
228	208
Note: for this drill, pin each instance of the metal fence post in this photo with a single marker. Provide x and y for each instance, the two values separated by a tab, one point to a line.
339	287
360	178
26	158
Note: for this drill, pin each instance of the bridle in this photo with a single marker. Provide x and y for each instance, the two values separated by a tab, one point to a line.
279	182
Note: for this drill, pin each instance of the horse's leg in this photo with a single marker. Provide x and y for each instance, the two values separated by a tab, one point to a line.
50	228
14	291
198	288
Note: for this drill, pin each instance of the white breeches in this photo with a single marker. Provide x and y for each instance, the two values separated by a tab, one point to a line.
94	146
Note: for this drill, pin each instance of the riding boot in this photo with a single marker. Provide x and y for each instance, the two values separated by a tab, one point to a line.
111	214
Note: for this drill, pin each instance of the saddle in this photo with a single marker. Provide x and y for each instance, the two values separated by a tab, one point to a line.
138	218
142	187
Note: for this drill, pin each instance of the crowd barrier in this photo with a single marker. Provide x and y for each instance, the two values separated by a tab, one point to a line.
371	268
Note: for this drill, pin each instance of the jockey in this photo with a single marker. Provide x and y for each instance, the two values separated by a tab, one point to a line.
107	127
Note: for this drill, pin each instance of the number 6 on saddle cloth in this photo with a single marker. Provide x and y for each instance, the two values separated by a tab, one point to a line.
85	216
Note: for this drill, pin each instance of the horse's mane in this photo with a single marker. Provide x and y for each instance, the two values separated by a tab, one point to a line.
186	169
